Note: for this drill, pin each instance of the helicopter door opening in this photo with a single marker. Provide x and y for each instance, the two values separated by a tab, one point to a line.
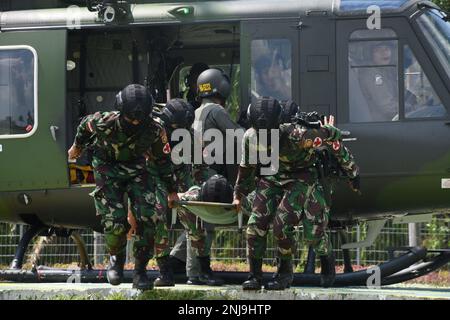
396	107
32	110
104	62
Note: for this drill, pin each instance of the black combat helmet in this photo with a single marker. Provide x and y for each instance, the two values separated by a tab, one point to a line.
290	109
213	82
217	189
264	113
135	102
179	113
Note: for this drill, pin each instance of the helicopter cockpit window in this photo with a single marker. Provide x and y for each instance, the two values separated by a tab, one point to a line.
271	69
373	76
421	101
17	91
437	32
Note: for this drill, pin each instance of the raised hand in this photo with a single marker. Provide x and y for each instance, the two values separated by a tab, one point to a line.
74	152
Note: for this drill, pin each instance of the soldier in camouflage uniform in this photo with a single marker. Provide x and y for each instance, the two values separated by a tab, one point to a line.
177	114
291	195
122	142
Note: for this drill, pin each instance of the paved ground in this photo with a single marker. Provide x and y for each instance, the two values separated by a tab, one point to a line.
401	292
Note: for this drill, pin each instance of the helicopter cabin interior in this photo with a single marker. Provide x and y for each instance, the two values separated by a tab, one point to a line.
101	63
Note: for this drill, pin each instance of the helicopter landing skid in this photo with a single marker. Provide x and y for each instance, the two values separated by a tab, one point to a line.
413	263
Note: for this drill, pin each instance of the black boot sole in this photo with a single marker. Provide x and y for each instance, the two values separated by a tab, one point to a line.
163	284
248	287
114	282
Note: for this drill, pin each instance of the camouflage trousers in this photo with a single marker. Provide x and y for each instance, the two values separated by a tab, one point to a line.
200	242
112	183
162	247
286	206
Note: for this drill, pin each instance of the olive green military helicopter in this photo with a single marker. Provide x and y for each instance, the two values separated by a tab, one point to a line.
382	68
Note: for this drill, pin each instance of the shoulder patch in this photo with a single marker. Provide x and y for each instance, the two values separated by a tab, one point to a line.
166	148
336	145
317	142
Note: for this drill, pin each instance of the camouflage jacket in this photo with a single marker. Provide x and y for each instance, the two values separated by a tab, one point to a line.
103	133
297	157
193	194
182	173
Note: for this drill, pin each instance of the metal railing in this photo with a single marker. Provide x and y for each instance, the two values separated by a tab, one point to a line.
230	246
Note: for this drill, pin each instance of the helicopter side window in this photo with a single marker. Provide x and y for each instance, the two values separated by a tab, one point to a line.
373	76
421	101
271	69
17	91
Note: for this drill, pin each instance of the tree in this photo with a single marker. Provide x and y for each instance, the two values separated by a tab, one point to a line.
444	4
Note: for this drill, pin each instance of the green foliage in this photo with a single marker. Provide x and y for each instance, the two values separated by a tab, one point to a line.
233	102
444	4
439	233
177	295
148	295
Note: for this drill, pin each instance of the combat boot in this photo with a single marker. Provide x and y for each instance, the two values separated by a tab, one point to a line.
254	281
140	279
165	278
284	276
327	271
196	281
206	274
177	265
115	269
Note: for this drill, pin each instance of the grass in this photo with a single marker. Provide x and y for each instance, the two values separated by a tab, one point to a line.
158	294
